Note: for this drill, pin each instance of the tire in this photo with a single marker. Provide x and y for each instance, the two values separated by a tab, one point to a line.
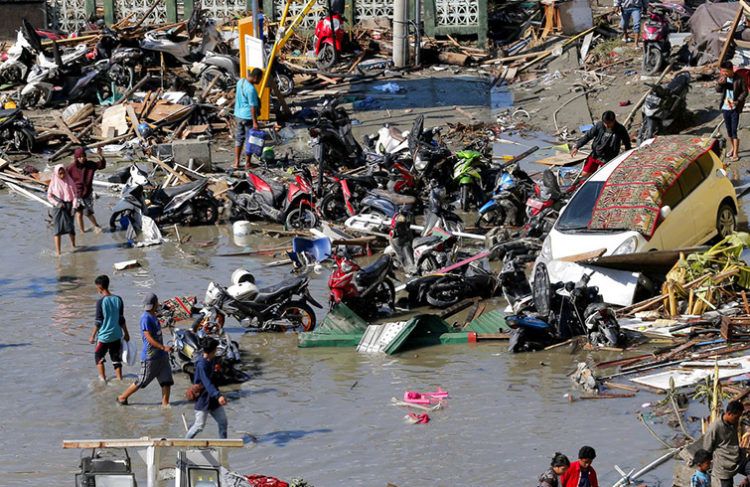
205	212
326	56
491	218
332	207
648	130
726	221
208	74
300	313
285	84
465	197
300	218
23	140
427	264
446	292
652	60
385	293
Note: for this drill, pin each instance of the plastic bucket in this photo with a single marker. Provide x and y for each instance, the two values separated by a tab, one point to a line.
242	228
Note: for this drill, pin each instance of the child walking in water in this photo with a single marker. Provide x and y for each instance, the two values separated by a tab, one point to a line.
62	194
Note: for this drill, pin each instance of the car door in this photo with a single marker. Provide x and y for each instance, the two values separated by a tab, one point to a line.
708	196
678	228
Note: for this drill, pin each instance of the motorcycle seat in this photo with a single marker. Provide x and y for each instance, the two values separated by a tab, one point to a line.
367	274
183	188
278	190
396	134
9	113
395	198
272	292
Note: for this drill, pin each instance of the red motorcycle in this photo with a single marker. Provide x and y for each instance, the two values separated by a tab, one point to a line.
363	289
655	37
329	40
262	197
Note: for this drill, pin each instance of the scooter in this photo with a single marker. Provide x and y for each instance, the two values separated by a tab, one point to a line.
385	204
328	39
282	307
663	105
438	213
262	197
508	202
20	59
655	37
466	173
366	290
187	204
390	140
602	327
343	198
331	137
16	131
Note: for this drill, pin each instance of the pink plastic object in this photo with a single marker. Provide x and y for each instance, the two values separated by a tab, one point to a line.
424	398
419	418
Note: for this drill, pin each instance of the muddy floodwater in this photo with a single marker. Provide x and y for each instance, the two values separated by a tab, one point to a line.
320	414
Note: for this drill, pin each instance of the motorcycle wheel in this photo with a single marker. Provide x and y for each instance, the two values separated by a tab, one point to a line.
491	218
446	292
326	56
301	313
647	130
332	207
385	294
285	84
465	197
208	75
300	218
652	60
205	212
23	140
427	264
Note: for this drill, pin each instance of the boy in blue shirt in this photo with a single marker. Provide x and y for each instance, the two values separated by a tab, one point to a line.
109	328
211	400
154	355
702	464
246	111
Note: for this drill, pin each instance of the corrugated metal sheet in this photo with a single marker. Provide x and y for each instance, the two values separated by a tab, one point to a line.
383	338
490	322
342	320
312	340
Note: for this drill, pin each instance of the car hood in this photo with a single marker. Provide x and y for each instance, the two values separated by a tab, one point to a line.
567	244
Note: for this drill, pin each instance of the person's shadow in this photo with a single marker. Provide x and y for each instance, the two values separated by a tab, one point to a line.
281	438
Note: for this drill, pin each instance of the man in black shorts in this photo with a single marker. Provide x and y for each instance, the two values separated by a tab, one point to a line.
154	356
109	328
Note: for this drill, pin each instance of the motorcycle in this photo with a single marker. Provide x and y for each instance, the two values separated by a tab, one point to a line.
602	327
16	131
663	105
508	202
187	345
342	200
529	333
655	36
188	204
466	173
20	59
390	140
328	39
385	204
290	204
445	290
438	214
331	137
366	290
282	307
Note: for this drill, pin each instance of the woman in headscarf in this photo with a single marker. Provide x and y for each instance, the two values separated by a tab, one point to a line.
62	194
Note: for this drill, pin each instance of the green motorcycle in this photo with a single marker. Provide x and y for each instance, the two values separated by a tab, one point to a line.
466	172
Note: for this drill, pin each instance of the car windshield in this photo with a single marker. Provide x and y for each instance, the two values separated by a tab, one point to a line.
577	214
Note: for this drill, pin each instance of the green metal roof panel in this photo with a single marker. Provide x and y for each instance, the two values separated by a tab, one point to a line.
342	320
313	340
489	322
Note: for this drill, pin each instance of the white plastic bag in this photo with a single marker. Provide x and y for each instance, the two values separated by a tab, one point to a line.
128	352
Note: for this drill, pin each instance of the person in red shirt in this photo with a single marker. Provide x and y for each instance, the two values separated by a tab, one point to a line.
581	473
82	172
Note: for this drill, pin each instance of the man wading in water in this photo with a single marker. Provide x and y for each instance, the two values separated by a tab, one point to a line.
721	441
82	172
109	328
154	356
210	401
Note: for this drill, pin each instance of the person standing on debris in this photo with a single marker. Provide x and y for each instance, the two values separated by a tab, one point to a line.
210	401
109	328
721	441
246	112
154	355
607	136
702	464
733	91
581	473
62	194
558	466
82	171
630	9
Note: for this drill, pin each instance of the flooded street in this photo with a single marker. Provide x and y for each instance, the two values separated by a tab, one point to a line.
320	414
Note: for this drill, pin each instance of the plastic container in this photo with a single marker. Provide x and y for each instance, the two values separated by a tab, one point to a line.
242	228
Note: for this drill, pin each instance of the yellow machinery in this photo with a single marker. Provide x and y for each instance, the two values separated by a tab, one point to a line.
284	33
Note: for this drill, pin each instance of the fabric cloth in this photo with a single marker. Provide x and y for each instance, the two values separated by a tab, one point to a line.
734	89
242	127
591	164
204	372
219	415
61	190
150	324
605	144
159	369
731	122
246	97
629	4
576	476
110	318
115	353
549	479
82	175
62	219
700	479
721	440
633	194
633	13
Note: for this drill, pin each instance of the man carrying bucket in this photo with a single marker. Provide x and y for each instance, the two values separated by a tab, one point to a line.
246	111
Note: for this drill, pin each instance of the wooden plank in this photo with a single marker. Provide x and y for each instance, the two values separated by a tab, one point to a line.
65	129
146	442
584	256
562	159
730	33
169	170
133	120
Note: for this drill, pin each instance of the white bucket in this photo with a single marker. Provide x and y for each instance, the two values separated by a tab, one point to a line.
242	228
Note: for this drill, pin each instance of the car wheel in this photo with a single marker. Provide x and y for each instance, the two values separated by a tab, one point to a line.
726	221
